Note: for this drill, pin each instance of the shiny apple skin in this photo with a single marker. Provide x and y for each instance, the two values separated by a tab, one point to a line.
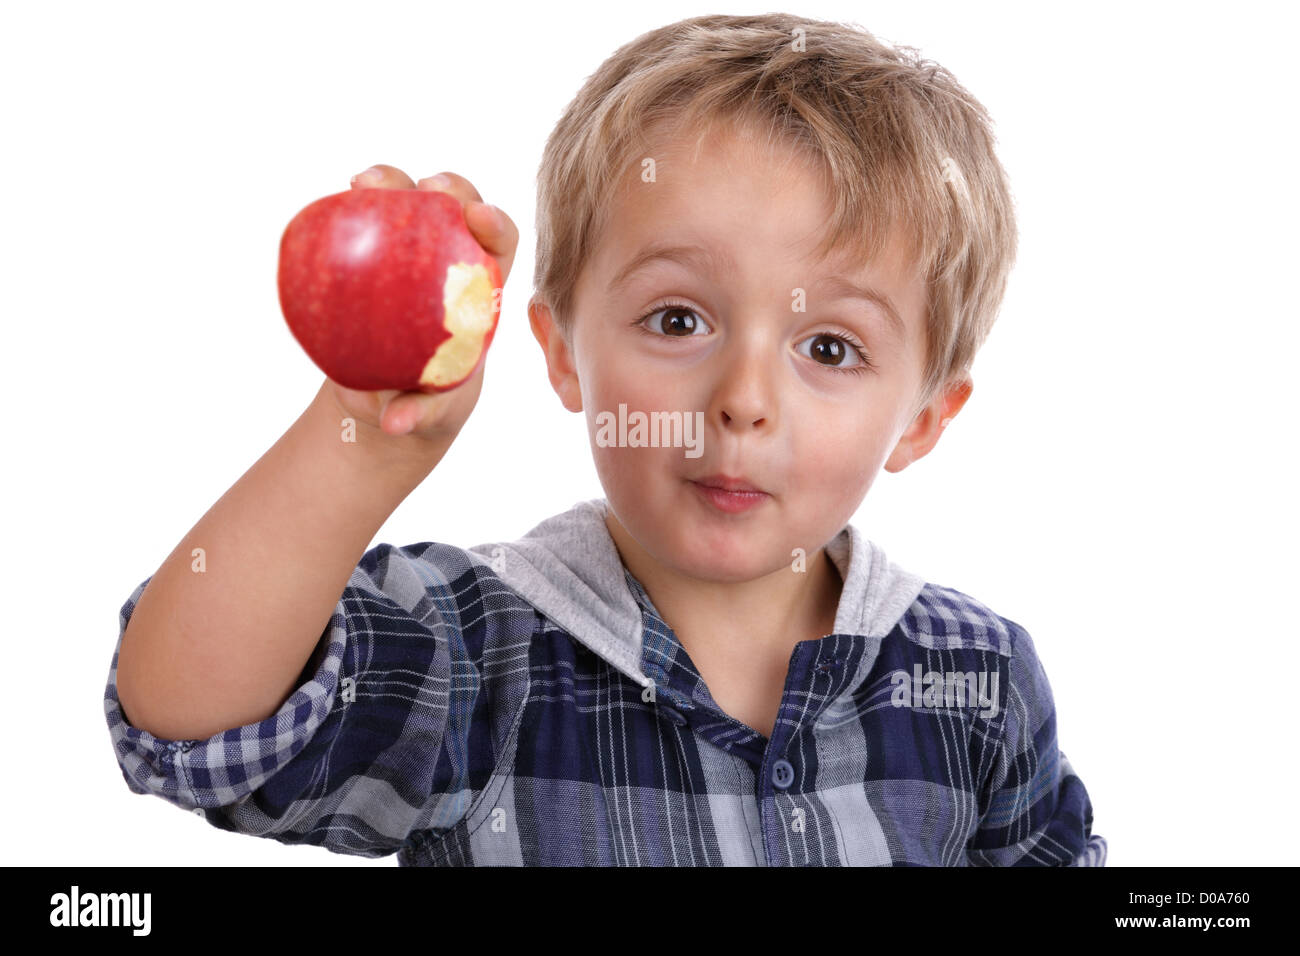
361	283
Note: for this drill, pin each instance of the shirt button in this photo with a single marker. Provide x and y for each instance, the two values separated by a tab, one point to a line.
782	774
672	714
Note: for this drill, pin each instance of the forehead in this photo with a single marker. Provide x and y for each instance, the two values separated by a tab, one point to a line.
723	176
740	205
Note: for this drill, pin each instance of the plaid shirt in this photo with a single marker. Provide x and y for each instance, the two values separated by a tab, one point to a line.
455	722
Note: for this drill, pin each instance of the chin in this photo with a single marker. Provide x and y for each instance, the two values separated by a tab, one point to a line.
707	558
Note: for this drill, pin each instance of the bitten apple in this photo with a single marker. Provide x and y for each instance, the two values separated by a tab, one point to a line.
388	289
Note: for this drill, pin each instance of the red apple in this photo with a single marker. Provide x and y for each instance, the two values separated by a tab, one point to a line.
388	288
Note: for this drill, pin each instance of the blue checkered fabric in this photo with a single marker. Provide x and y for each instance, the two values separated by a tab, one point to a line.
451	722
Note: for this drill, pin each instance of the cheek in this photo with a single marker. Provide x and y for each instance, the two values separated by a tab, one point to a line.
839	456
605	387
607	373
614	468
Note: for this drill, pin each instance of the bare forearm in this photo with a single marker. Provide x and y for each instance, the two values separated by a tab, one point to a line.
219	640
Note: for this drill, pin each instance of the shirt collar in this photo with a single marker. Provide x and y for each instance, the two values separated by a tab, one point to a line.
569	569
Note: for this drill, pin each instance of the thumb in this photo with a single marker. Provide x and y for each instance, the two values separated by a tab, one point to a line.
401	414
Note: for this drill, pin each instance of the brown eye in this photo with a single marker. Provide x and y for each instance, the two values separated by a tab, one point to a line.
832	350
676	321
828	350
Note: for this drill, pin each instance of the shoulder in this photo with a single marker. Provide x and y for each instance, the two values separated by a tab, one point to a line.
943	618
452	577
439	589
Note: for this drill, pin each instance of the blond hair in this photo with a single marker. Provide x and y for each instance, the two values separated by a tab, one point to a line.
898	142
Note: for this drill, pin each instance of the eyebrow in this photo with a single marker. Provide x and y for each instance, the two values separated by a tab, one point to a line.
838	287
712	260
717	262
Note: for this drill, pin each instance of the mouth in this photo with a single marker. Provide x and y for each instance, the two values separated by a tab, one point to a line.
729	494
728	483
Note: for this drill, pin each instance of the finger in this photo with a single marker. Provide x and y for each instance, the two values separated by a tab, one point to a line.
371	402
379	400
495	231
382	176
457	185
400	413
416	411
404	413
500	237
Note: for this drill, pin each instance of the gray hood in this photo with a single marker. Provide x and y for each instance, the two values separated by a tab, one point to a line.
569	569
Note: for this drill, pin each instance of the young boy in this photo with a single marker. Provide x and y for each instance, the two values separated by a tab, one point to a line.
709	665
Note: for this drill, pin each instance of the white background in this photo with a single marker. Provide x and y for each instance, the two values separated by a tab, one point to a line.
1116	484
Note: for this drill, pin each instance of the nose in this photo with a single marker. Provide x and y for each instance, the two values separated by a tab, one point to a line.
744	396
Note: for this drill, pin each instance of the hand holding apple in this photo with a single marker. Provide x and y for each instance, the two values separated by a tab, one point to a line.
395	295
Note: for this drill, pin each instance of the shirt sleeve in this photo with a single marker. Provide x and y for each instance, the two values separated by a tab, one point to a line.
393	730
1034	810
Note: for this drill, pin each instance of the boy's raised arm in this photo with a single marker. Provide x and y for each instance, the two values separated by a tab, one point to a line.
220	636
216	648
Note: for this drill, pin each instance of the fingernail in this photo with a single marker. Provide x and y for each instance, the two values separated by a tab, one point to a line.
497	216
438	182
369	177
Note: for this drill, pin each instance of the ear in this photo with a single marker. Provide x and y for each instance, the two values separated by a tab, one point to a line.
559	360
929	424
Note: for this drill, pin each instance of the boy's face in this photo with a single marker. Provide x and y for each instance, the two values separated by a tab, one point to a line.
788	405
